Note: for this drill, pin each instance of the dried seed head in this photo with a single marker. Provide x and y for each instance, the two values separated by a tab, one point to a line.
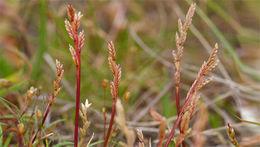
39	113
21	129
105	83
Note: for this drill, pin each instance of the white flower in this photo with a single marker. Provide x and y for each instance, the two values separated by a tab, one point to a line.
87	104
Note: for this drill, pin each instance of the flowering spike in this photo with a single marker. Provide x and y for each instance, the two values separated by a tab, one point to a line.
73	54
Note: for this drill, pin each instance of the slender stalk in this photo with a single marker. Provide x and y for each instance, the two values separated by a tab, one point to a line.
72	26
111	121
116	70
192	91
104	113
177	87
51	99
197	84
43	121
77	103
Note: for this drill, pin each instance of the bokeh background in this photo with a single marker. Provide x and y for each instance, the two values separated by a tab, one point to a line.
32	36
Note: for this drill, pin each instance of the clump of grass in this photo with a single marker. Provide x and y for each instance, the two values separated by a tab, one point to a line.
72	26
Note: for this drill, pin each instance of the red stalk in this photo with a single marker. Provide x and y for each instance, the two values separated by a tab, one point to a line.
77	102
44	118
78	68
112	118
193	90
177	94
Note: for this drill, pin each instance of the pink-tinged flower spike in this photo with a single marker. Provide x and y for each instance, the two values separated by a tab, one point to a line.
189	105
51	98
72	26
116	70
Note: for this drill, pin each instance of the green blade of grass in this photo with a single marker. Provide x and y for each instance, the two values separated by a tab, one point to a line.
96	143
7	103
8	140
55	122
228	47
63	144
42	42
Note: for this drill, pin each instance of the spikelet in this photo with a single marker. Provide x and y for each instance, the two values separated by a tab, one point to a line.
116	70
183	28
177	55
112	52
189	106
71	13
81	40
73	54
72	27
56	83
86	123
189	111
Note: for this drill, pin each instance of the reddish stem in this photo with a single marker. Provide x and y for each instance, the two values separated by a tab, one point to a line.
192	91
44	118
112	118
177	94
78	68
